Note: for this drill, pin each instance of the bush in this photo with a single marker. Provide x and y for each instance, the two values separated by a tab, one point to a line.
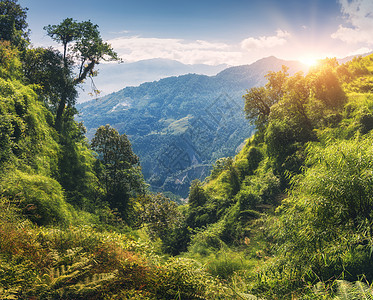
254	157
41	198
208	240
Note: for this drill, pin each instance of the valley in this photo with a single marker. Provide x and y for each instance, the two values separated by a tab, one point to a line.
179	126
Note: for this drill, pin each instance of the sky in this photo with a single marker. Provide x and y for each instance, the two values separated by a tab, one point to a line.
233	32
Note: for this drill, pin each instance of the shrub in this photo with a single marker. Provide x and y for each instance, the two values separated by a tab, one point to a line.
41	198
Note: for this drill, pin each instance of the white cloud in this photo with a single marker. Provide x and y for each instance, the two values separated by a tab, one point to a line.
359	16
135	48
266	41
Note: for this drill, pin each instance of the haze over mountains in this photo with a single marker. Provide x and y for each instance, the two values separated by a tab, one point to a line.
179	126
114	76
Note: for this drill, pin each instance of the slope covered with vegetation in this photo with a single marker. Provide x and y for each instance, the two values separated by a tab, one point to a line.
64	234
289	217
68	214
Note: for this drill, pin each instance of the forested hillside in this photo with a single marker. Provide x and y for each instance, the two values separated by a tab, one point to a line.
288	217
69	215
180	125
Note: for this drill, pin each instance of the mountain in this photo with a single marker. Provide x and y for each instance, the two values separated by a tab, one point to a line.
180	125
351	57
114	76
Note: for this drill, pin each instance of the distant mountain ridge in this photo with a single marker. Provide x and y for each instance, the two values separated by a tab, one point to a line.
180	125
114	76
348	58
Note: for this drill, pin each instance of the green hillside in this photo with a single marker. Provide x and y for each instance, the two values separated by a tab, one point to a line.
289	217
71	218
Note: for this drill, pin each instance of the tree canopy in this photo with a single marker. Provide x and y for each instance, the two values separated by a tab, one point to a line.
259	100
87	50
118	169
13	25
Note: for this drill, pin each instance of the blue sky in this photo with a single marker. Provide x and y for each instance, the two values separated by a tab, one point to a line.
213	32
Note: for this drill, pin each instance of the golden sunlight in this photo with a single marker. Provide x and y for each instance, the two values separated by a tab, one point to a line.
309	60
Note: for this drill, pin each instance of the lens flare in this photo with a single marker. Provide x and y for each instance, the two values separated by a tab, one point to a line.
309	60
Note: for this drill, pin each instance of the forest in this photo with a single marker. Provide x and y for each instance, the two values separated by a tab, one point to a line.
289	217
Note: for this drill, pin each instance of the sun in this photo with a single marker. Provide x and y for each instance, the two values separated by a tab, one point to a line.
309	60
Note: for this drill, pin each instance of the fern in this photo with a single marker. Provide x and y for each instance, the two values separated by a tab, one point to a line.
353	291
73	276
9	294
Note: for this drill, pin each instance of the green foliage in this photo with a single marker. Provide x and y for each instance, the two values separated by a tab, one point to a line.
13	25
81	263
197	195
76	168
87	49
10	64
33	156
326	86
254	157
181	280
26	134
258	101
285	142
41	169
163	220
308	141
323	230
366	123
40	198
349	291
117	168
207	241
161	216
44	68
313	157
220	165
88	44
342	176
226	264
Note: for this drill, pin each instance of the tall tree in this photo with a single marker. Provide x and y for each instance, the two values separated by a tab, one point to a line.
13	25
258	101
82	44
45	68
197	196
118	167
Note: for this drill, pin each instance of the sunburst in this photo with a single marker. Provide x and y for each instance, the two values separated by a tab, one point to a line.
309	60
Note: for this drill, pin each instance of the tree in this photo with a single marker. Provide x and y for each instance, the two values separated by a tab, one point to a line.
87	50
10	64
197	196
13	25
326	86
257	105
296	98
161	215
118	167
45	68
258	101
